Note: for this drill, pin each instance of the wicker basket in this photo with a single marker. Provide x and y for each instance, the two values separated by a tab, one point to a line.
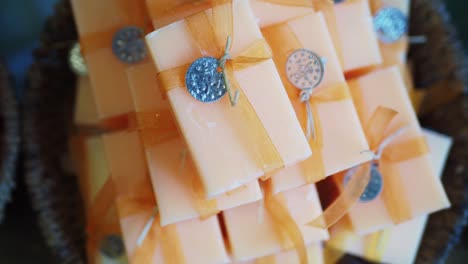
9	139
49	107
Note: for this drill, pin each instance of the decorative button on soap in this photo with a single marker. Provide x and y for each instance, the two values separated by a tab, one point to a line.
390	24
205	81
304	69
128	45
112	246
374	188
76	60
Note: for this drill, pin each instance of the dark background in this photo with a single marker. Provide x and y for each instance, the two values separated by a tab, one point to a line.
20	26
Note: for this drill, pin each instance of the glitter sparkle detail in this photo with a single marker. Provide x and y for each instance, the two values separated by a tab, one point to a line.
128	45
373	189
390	24
76	60
112	246
204	81
304	69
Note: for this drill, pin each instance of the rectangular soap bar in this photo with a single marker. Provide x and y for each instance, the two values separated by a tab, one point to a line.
222	156
250	230
171	168
402	241
343	137
97	22
385	87
314	254
85	106
127	166
271	13
358	40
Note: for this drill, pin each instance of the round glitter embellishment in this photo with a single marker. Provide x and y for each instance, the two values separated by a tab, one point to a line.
304	69
76	60
128	45
112	246
390	24
203	80
373	189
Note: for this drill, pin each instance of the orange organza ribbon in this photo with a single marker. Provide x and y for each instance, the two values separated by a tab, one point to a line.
283	41
395	201
135	15
211	37
283	222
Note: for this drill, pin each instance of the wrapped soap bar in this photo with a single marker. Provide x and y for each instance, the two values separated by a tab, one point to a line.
398	244
337	141
175	180
104	234
358	40
111	33
252	232
233	139
85	106
314	253
403	158
145	240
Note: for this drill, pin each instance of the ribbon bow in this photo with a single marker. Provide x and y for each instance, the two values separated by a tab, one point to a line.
387	153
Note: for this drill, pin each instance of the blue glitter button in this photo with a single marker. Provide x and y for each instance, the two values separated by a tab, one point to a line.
112	246
390	24
373	189
128	45
203	80
304	69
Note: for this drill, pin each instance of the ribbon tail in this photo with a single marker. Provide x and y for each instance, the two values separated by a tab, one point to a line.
144	253
347	199
375	245
285	223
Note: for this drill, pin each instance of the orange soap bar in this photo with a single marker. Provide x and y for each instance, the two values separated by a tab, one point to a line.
171	168
128	169
343	137
314	254
97	22
85	106
358	40
401	242
268	14
385	87
250	230
220	149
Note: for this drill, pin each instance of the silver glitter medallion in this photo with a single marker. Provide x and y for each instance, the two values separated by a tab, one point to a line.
112	246
390	24
304	69
373	189
76	60
204	81
128	45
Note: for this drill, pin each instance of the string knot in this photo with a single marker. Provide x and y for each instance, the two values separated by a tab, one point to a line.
222	68
305	95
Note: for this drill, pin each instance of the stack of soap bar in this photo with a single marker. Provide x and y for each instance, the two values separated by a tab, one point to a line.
222	156
402	241
129	173
385	87
97	22
343	137
358	40
171	168
251	231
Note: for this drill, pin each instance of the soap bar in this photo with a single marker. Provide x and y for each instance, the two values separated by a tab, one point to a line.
402	241
251	232
219	147
85	106
385	87
314	254
271	13
358	40
171	168
343	137
128	169
97	22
